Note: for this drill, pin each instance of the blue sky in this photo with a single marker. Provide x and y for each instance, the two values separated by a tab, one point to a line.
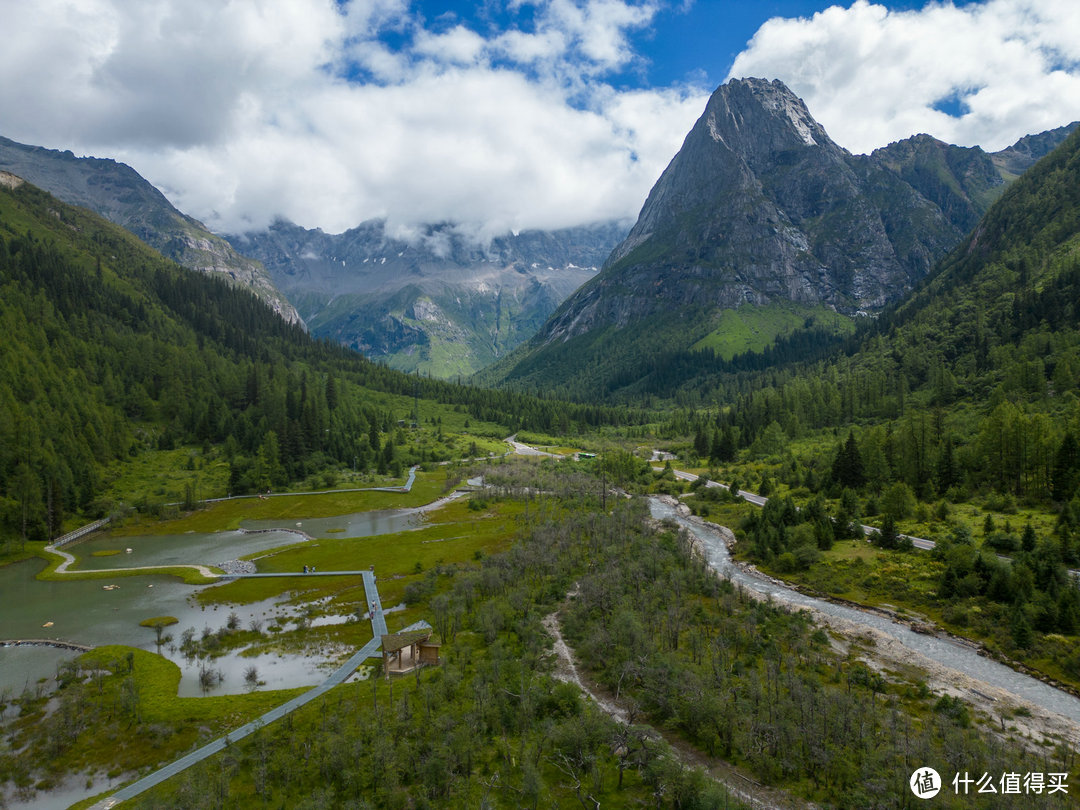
684	42
500	115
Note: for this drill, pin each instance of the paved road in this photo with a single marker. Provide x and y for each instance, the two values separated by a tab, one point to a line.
759	500
749	497
523	449
378	627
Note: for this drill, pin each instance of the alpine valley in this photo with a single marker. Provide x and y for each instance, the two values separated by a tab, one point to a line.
442	303
778	508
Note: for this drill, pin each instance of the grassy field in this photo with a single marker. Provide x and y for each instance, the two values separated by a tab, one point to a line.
227	515
752	328
128	698
161	476
455	535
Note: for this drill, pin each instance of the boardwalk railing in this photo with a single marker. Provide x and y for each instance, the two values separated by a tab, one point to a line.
71	537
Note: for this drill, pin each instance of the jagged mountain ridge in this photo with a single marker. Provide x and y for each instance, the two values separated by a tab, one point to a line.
437	302
120	194
761	206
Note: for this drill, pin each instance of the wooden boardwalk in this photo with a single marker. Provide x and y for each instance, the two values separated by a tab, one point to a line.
44	642
378	628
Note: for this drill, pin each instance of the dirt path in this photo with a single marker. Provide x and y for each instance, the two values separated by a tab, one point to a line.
1034	723
69	560
738	784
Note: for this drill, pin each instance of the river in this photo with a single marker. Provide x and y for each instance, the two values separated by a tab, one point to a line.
948	653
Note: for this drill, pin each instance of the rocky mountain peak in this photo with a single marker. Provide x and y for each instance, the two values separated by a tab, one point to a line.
759	205
756	118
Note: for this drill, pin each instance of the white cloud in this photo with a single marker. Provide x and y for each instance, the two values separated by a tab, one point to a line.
599	27
872	76
247	111
457	46
523	158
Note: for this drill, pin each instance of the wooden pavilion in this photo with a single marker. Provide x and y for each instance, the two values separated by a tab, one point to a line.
407	650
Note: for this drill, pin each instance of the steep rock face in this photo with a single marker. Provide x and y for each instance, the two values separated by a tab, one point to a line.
121	195
761	208
438	302
758	205
1023	154
960	181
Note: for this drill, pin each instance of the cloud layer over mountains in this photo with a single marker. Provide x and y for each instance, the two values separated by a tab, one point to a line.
330	113
977	74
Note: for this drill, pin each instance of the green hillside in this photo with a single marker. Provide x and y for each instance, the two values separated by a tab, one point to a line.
954	416
988	349
970	385
113	355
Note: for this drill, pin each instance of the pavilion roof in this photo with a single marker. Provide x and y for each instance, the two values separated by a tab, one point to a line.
399	641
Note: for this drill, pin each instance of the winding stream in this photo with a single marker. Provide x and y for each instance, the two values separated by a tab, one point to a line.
948	653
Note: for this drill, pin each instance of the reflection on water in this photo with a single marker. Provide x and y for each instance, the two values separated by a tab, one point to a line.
359	524
23	666
94	612
102	611
84	612
176	549
955	656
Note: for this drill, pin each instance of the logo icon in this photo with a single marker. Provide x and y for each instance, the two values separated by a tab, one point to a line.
925	783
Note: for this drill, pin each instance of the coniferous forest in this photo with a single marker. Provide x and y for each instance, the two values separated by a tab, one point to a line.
111	350
924	464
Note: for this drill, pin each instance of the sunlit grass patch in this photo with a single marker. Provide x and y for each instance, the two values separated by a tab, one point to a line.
228	515
458	536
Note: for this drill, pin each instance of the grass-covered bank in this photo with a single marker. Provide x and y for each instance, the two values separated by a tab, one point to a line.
116	711
1025	610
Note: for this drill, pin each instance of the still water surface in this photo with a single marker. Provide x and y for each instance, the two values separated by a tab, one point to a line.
83	611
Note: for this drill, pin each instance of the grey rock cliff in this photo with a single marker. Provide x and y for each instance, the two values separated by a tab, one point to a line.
760	205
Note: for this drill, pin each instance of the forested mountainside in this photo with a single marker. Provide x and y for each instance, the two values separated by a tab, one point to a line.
122	195
973	381
110	350
762	220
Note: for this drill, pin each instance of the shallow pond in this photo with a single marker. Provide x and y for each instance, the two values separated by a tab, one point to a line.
358	524
95	612
84	612
194	548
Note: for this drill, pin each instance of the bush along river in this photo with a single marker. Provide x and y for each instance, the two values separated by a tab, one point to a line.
951	654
